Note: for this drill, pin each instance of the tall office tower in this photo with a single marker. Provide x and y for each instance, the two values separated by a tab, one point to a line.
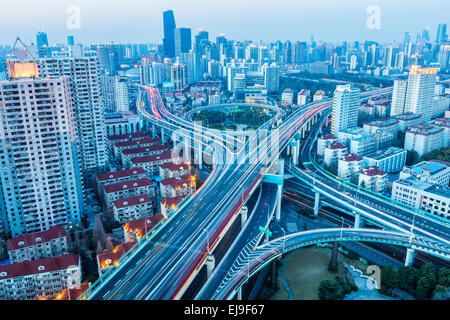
193	65
169	33
70	41
42	44
373	55
239	52
251	52
263	55
287	52
441	35
400	60
115	93
152	73
389	57
416	94
353	62
178	75
201	40
40	186
214	69
345	108
335	61
182	41
299	52
426	35
407	38
220	39
109	57
88	105
272	78
398	97
444	56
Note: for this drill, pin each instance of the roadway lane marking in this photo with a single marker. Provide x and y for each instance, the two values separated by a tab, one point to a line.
106	293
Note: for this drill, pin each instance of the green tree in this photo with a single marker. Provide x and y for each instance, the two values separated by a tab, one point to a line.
427	281
408	277
411	157
329	290
389	279
444	277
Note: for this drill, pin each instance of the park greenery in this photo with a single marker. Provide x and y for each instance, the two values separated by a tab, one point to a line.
442	154
423	283
252	117
335	289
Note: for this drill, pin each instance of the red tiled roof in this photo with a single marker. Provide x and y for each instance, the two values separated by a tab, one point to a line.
129	143
172	202
72	293
328	136
138	134
372	171
154	147
127	185
143	224
179	181
336	145
175	167
32	267
131	201
30	239
121	174
115	254
154	157
350	157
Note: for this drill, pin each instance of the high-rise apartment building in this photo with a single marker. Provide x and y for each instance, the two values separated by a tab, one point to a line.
115	93
416	94
179	75
83	72
345	108
40	183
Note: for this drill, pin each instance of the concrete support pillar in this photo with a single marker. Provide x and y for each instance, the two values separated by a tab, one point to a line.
357	220
244	215
295	155
210	265
187	148
239	294
410	255
153	131
279	198
163	136
316	204
199	153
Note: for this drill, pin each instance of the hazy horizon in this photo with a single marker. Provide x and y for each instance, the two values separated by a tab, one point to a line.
140	21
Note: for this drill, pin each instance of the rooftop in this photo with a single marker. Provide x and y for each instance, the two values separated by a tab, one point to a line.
36	238
29	267
120	174
385	153
406	116
175	167
181	181
130	143
424	129
336	145
348	157
154	147
372	171
143	224
134	135
383	123
109	258
128	185
131	201
154	157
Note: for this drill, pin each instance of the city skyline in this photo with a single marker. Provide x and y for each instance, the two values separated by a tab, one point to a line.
240	21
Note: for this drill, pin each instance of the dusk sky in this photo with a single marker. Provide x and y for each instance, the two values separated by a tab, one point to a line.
140	21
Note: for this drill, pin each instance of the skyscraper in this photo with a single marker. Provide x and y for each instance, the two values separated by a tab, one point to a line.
40	183
441	34
416	94
42	44
182	41
169	33
70	41
345	108
201	39
83	72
